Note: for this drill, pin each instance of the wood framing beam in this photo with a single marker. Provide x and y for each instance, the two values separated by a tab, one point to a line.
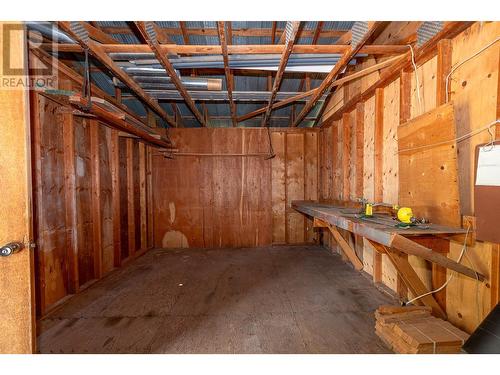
410	247
273	32
281	69
413	282
167	65
240	49
184	33
346	248
339	66
229	78
98	52
422	54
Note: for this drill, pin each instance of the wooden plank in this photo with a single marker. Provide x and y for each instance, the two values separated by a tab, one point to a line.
278	187
339	66
96	198
70	202
434	196
444	52
346	156
143	196
378	145
149	196
227	71
130	197
281	69
115	173
390	178
346	248
360	149
413	282
99	53
407	246
167	65
405	97
311	172
17	294
294	186
237	49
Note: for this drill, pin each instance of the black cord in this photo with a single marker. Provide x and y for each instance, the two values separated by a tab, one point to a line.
86	84
271	150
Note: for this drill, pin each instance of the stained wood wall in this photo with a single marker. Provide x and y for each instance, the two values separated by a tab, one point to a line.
207	201
358	157
90	200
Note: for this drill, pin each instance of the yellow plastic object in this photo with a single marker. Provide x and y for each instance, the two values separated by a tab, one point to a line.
369	210
405	214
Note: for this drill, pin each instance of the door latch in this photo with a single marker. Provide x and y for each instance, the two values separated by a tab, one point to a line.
11	248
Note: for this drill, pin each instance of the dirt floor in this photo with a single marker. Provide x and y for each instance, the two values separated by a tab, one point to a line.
281	299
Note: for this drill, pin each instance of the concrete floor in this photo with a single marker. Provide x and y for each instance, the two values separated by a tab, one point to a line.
283	299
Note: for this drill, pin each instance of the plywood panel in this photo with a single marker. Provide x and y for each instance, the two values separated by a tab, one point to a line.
124	220
427	79
429	176
390	180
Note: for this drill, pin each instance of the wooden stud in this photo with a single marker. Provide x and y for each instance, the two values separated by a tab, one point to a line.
143	195
405	97
444	52
346	248
378	145
70	202
130	197
96	198
346	156
115	183
360	148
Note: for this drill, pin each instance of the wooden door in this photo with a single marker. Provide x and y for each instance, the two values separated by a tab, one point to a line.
17	316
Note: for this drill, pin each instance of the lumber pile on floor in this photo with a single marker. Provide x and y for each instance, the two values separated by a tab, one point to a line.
413	330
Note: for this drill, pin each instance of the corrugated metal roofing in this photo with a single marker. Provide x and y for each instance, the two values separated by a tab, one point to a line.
242	83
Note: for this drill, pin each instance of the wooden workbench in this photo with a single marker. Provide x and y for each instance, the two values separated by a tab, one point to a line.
385	237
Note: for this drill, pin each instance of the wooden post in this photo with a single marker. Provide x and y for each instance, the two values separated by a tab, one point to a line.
360	148
70	198
378	144
142	197
115	181
17	296
444	51
404	97
96	198
346	156
130	196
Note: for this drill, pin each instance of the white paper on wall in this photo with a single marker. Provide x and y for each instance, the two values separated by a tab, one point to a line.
488	166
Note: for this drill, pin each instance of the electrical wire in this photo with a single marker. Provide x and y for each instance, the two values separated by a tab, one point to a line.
458	139
417	83
447	80
462	253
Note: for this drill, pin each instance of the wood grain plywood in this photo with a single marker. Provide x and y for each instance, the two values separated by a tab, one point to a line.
368	158
390	179
278	181
295	185
429	176
427	79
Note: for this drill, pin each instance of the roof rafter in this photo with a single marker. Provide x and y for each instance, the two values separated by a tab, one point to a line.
99	53
290	40
229	78
147	32
377	27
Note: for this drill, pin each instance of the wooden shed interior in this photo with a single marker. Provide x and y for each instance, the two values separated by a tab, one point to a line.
249	187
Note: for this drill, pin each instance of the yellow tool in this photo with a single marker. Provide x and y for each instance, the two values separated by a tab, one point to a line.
404	214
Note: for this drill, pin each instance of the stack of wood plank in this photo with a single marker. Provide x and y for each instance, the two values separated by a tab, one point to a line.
413	330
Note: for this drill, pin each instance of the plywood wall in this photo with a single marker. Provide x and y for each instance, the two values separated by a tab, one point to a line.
214	201
77	192
474	92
